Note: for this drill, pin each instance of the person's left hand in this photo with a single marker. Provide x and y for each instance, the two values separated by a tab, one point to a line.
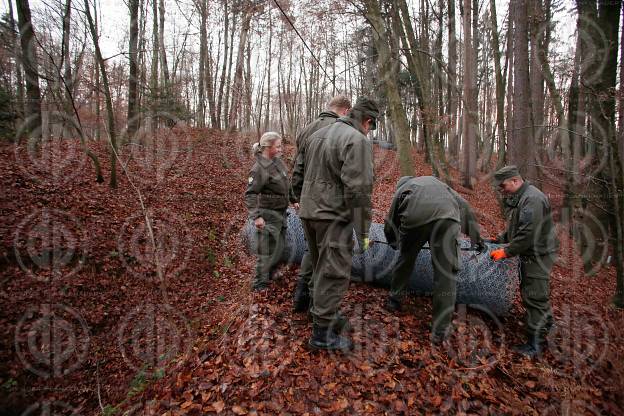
296	206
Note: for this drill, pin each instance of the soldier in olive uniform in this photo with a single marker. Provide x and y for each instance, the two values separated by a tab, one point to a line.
267	200
335	201
424	209
530	235
338	106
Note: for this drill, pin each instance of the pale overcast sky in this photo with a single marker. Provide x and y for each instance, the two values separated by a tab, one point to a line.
115	20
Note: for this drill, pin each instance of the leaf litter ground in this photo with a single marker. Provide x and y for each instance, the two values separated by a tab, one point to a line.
199	341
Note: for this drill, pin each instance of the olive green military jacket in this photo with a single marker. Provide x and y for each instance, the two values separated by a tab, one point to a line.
324	119
421	200
338	175
267	188
530	230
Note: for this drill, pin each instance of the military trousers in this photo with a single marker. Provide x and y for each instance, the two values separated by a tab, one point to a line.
304	279
535	293
270	243
330	244
442	236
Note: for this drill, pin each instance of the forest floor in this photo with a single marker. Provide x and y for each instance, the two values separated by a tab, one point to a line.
102	315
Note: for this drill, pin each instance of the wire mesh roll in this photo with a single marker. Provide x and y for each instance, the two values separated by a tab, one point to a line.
480	281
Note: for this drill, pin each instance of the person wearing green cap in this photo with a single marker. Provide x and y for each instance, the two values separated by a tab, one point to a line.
530	234
337	107
425	209
336	201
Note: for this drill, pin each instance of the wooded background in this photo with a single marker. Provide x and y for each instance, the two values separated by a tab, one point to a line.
470	90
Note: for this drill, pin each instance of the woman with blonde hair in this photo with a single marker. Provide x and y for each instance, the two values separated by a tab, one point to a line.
267	198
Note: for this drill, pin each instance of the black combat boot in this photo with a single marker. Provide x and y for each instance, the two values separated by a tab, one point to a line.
340	324
532	348
301	297
323	338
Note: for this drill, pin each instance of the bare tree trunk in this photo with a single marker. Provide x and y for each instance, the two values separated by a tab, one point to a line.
470	101
19	81
210	90
98	107
267	114
279	87
438	79
107	94
453	140
500	84
420	67
228	86
503	152
203	47
155	93
225	61
522	145
66	53
538	43
141	58
32	113
133	111
248	88
167	86
260	102
387	72
237	86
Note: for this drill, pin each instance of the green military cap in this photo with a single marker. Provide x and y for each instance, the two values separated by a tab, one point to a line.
504	173
368	107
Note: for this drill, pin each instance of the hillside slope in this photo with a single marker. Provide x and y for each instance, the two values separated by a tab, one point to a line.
179	332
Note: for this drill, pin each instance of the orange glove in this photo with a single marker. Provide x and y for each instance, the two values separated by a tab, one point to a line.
499	254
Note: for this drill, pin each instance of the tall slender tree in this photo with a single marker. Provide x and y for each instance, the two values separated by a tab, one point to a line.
521	144
469	135
112	134
237	85
19	81
202	6
133	100
387	71
451	90
32	109
66	52
500	85
154	78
